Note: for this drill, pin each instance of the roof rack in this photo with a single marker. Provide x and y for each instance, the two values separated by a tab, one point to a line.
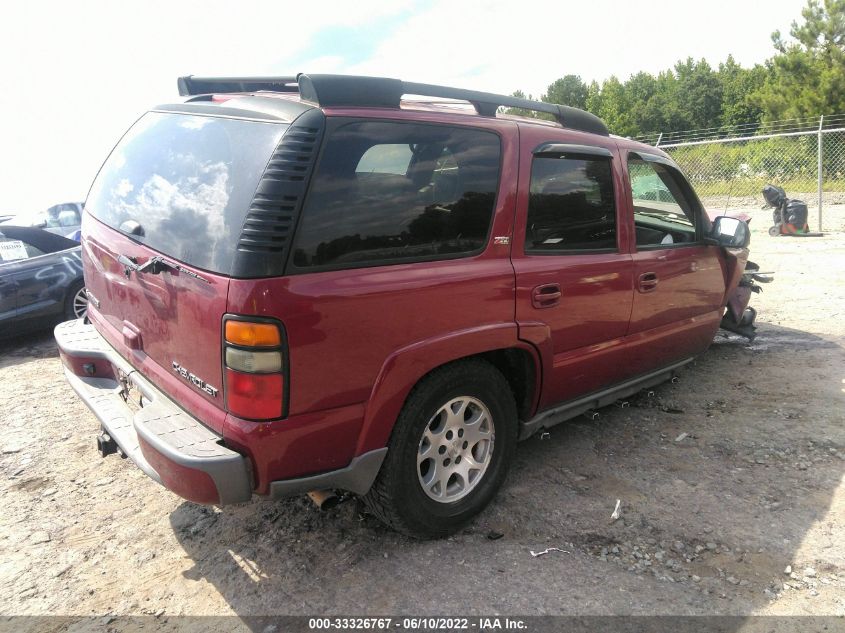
353	90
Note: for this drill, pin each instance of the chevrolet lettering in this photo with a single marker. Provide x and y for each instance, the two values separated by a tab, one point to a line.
198	382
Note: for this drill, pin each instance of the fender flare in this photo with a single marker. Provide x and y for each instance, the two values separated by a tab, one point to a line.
404	368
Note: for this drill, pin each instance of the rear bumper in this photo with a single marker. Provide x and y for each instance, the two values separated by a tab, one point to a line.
188	458
165	442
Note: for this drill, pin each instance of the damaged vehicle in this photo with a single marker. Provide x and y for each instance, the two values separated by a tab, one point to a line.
322	282
40	280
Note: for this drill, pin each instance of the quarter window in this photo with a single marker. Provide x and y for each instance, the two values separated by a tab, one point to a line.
392	192
571	205
663	214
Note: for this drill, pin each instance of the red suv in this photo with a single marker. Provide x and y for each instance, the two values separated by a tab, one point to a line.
311	283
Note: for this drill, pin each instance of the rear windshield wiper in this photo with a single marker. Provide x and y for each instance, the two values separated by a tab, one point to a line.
155	265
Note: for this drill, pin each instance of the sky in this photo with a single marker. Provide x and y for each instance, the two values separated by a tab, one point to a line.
77	74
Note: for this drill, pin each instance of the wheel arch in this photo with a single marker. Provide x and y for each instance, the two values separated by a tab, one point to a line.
497	344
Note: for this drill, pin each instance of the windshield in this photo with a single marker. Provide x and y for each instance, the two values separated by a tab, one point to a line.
188	181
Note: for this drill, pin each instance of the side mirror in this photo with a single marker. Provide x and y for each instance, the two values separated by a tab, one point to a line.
730	232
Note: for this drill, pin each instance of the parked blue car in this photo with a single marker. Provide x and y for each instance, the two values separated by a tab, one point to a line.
40	279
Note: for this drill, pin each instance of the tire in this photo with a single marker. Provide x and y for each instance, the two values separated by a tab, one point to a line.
430	445
76	302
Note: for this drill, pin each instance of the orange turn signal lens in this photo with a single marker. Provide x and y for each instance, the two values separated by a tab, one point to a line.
252	334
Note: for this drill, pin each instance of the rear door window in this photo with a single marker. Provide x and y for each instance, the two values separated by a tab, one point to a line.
188	181
571	206
395	192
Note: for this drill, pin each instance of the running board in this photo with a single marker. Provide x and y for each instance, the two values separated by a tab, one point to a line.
573	408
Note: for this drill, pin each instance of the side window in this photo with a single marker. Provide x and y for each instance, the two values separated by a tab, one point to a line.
392	192
68	215
571	206
663	213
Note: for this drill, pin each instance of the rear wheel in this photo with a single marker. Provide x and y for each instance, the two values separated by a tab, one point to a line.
76	304
449	452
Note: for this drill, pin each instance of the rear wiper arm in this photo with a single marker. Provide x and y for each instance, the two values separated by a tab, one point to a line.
154	266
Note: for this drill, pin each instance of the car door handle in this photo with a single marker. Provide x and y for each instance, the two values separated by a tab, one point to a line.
647	282
545	296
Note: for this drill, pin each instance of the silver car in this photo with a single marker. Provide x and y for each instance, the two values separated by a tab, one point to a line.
62	219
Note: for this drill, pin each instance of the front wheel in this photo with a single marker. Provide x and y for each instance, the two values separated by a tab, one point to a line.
449	452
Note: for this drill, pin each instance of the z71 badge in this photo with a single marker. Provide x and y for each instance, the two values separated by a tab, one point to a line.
196	381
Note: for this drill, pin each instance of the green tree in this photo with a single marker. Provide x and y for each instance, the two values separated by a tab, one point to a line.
593	103
614	108
521	111
699	94
807	76
738	86
568	90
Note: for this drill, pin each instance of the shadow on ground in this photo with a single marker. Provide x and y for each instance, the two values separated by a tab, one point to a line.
721	478
18	348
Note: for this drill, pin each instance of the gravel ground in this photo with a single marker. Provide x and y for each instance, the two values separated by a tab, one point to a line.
731	489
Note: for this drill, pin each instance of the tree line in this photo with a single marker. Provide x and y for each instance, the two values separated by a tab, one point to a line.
805	77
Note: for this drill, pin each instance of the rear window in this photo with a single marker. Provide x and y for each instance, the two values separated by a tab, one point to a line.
188	181
396	192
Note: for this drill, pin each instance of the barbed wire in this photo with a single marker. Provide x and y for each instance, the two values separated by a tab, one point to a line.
781	126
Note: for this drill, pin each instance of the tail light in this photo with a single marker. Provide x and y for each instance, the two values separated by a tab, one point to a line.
254	354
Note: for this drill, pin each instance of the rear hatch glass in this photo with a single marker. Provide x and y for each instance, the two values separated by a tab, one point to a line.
188	181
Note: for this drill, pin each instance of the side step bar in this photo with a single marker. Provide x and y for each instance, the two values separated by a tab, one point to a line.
574	408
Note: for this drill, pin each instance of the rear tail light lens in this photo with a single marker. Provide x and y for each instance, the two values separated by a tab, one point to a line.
254	396
254	352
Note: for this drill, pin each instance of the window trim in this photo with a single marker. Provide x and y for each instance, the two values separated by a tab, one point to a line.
335	123
686	189
601	153
558	149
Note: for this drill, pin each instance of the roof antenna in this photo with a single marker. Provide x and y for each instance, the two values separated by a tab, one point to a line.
728	202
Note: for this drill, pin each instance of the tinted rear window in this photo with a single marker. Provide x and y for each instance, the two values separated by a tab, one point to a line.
395	192
571	207
188	181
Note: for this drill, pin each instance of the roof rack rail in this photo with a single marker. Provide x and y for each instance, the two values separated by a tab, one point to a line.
353	90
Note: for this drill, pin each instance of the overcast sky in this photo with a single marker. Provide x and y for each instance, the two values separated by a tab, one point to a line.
76	74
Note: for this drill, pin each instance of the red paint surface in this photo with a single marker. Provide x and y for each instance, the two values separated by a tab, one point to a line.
358	340
194	485
154	320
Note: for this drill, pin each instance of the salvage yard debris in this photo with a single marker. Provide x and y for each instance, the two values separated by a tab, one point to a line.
547	550
616	514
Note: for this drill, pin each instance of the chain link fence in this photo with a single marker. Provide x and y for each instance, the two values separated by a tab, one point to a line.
805	157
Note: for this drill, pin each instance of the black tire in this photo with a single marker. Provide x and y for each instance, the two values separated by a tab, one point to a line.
70	308
397	497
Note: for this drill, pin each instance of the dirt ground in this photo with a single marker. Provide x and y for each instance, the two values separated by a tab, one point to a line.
731	489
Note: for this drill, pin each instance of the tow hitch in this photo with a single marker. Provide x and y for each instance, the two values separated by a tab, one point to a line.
106	445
